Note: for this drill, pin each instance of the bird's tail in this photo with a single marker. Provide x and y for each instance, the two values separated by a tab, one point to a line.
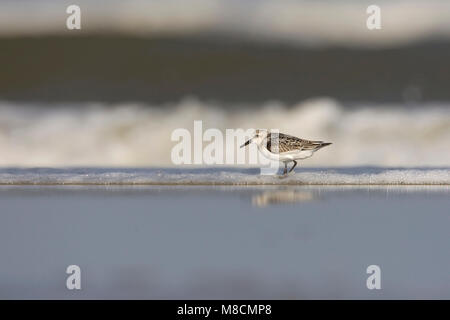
321	144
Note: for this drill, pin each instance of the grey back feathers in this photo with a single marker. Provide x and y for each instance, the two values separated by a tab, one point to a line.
280	143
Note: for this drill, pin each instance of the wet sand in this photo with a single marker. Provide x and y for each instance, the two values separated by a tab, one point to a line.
211	242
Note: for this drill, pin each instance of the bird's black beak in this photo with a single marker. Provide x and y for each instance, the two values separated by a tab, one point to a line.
248	142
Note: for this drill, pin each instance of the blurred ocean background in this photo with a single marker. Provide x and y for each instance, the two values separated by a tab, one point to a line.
111	93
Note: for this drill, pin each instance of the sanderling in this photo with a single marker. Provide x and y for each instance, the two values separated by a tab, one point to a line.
284	148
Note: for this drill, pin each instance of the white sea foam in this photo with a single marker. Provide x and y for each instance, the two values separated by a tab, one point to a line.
225	176
306	22
132	135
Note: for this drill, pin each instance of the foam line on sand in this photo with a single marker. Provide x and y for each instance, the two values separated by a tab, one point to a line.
224	176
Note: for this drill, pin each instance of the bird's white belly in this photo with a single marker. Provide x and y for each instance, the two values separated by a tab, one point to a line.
286	156
295	155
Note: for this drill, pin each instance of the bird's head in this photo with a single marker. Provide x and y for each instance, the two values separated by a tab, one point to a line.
258	138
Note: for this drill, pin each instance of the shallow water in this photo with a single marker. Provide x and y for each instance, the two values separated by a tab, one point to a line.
225	241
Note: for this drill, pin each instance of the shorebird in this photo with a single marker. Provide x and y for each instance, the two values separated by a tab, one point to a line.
284	148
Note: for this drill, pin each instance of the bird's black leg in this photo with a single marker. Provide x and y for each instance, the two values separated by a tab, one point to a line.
285	168
295	163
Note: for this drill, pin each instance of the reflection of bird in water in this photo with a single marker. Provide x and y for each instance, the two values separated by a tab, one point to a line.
276	197
285	148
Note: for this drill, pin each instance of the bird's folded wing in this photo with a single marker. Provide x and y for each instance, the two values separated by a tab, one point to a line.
287	143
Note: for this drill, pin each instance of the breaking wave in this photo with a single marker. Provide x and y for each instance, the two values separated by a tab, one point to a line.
130	135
